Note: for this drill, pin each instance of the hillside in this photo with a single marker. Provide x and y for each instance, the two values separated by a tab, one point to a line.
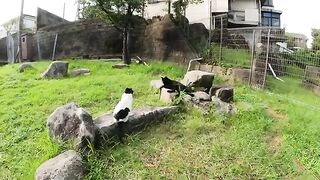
272	135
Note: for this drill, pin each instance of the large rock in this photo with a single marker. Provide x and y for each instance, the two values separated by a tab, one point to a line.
56	69
137	121
223	107
164	40
25	66
120	66
201	96
198	79
66	166
79	72
167	96
71	122
156	84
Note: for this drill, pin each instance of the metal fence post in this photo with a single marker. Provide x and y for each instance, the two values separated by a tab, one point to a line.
54	47
38	46
267	59
252	56
210	31
221	38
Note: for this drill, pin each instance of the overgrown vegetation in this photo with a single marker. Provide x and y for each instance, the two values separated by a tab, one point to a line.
271	137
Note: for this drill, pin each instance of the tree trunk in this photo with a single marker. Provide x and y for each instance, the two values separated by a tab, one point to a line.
169	6
125	46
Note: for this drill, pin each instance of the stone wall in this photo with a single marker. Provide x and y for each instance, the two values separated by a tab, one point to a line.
45	18
3	49
74	39
160	40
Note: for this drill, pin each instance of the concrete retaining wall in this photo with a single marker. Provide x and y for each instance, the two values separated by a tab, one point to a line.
3	49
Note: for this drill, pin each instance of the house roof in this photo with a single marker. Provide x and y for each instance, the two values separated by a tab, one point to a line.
298	35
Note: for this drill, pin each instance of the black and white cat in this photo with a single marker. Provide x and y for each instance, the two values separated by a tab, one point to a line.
122	110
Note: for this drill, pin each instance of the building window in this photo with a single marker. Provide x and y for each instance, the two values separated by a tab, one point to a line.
268	3
270	19
155	1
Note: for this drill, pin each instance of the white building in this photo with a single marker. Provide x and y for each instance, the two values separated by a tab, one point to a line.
240	13
12	26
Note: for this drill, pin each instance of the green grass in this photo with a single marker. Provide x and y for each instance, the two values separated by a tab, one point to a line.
230	57
236	57
187	145
26	101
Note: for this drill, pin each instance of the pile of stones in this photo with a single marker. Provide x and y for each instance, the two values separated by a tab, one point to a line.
204	95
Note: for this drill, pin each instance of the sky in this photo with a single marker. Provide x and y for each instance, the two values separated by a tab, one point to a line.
298	16
11	8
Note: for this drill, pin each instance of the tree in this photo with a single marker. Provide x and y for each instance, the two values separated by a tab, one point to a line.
289	40
316	39
121	14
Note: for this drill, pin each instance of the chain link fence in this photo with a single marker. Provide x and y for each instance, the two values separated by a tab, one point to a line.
263	52
263	58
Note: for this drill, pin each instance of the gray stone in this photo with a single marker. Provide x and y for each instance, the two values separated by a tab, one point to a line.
225	94
120	66
66	166
201	96
156	84
223	107
167	96
71	122
79	72
25	66
56	69
187	98
137	121
198	79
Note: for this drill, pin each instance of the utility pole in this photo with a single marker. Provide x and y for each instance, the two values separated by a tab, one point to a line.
20	31
210	28
169	6
78	10
64	10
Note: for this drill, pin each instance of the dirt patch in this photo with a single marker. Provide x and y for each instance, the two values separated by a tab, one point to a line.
299	166
274	143
154	161
277	115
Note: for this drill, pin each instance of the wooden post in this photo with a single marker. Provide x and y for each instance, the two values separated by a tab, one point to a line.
267	59
252	56
54	48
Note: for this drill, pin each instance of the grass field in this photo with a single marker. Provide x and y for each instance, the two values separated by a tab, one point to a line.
240	58
272	136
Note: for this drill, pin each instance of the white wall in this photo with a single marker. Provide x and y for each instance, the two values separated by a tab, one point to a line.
242	5
199	13
157	9
219	5
196	13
